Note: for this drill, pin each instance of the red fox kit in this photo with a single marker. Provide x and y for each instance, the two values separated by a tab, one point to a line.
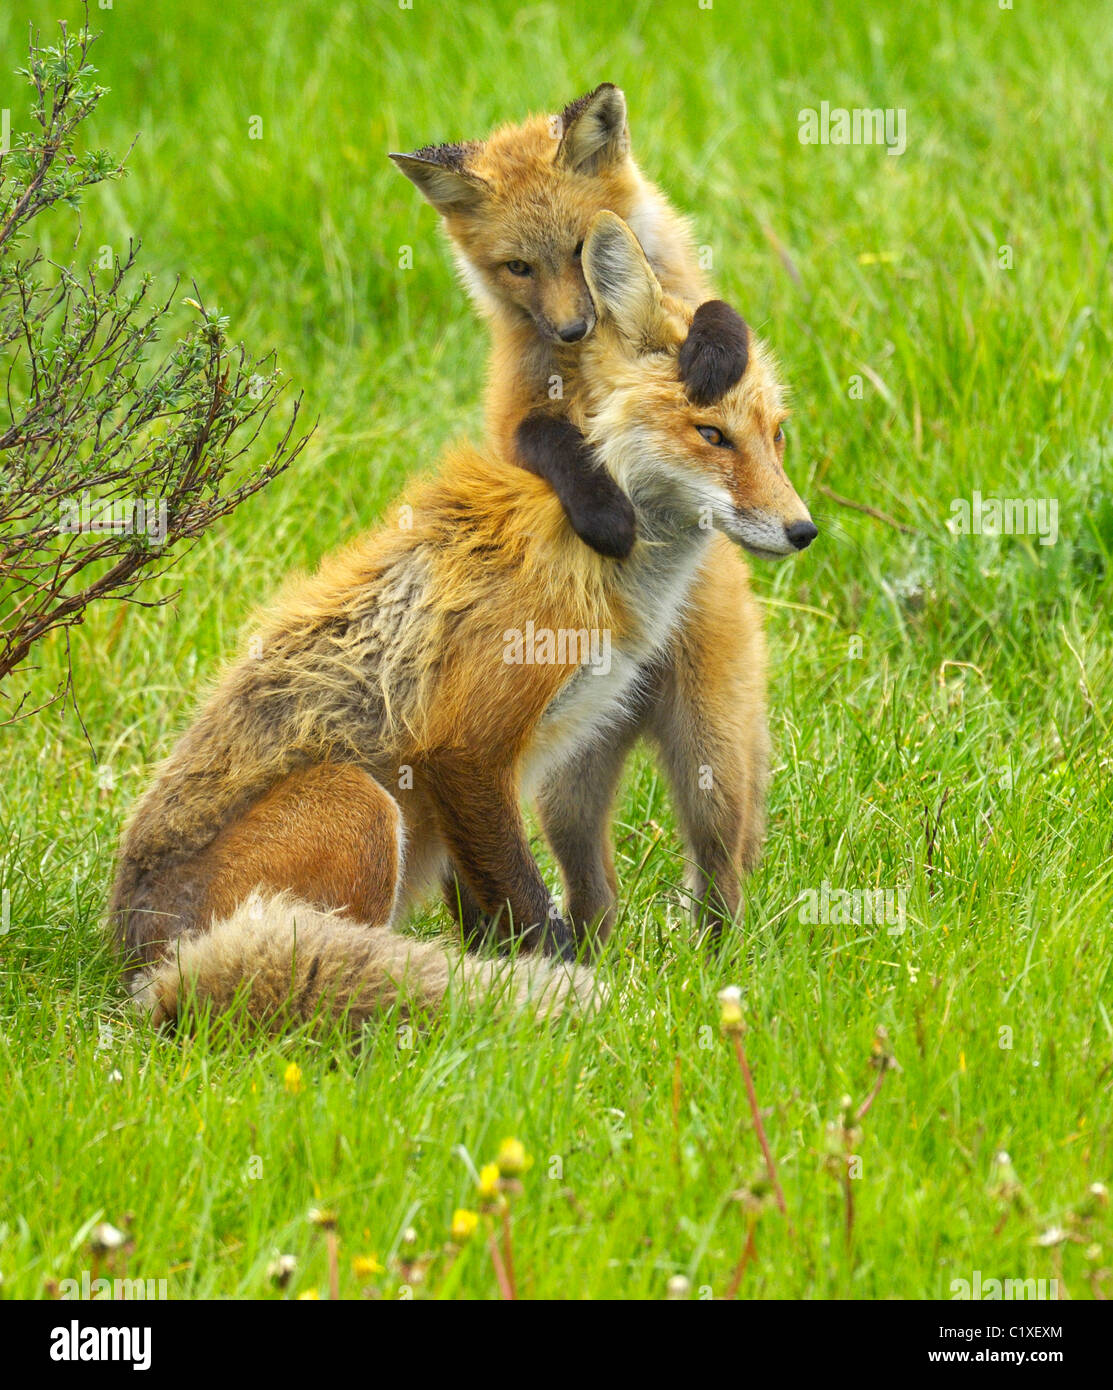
391	721
516	208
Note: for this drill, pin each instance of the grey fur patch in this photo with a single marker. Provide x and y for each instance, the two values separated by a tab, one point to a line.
453	156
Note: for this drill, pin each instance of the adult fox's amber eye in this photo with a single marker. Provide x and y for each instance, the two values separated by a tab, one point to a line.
518	268
714	436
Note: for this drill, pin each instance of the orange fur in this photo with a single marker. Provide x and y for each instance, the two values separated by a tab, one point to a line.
377	734
527	193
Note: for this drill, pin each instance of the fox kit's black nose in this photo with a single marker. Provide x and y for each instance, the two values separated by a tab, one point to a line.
802	533
573	332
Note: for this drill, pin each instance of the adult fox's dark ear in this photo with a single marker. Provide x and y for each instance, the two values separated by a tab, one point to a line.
715	354
440	174
594	131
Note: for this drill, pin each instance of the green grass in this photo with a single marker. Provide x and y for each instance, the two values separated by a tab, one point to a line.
960	751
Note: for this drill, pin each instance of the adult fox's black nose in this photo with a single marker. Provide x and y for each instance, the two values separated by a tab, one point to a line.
572	332
802	533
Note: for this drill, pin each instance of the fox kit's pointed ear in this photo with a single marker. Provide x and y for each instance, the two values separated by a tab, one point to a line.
622	282
440	174
594	131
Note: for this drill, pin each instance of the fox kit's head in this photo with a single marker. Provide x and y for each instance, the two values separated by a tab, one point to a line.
517	207
684	406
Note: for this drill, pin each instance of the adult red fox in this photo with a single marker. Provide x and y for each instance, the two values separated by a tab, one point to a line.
397	705
516	208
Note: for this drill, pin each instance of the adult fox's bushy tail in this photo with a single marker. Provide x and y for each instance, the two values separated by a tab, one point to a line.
285	962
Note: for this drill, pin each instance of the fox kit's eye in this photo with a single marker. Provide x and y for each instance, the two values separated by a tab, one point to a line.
779	437
714	436
578	251
518	268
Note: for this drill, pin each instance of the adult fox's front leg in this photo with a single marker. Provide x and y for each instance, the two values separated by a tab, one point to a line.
709	722
574	806
482	827
704	707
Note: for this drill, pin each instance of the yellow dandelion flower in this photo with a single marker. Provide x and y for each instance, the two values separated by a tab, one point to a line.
365	1266
464	1223
309	1296
730	1005
489	1181
292	1078
512	1159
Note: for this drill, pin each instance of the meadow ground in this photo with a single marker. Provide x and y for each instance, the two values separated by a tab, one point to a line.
940	702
